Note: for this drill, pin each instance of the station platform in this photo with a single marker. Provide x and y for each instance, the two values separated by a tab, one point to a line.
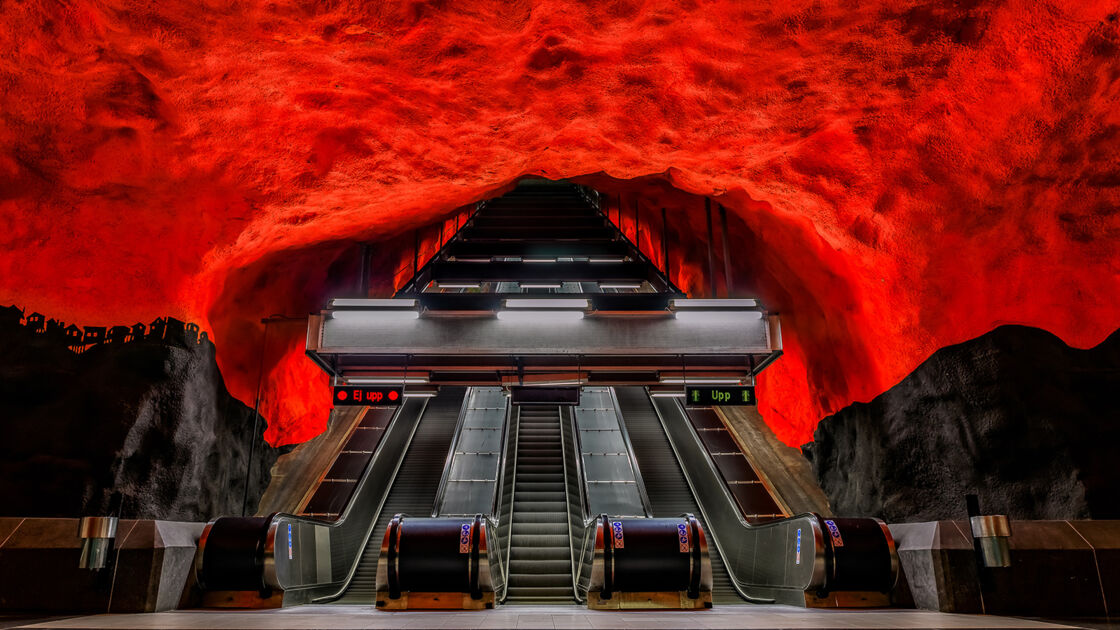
342	617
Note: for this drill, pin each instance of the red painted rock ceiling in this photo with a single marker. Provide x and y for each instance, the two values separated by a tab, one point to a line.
899	175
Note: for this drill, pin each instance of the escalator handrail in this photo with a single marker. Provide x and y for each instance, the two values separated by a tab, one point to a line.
567	500
378	452
630	453
438	503
494	518
496	500
739	584
512	498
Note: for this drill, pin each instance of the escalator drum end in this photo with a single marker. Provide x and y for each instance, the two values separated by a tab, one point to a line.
434	563
650	563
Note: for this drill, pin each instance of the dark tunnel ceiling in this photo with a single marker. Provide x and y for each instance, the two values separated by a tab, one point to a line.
902	175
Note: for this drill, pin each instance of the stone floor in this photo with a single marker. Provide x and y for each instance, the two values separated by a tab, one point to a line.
347	617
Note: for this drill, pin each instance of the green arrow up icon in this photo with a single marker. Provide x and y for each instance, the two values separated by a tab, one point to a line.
695	396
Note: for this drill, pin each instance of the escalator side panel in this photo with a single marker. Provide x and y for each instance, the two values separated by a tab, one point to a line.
414	488
668	490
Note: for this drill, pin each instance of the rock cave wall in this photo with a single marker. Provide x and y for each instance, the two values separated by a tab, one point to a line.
904	175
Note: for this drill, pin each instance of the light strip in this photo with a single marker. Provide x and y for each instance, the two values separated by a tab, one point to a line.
666	395
718	316
372	303
458	285
620	285
387	380
701	380
539	316
734	303
538	260
605	260
374	317
569	303
423	394
539	285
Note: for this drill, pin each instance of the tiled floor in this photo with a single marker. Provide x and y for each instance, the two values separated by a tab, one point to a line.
347	617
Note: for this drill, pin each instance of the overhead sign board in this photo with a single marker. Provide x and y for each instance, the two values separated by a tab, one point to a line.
719	396
368	396
526	395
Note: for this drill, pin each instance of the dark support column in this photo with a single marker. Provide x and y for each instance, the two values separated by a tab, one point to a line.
711	259
726	250
415	251
665	242
366	259
637	226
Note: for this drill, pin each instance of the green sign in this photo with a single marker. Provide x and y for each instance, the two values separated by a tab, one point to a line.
719	396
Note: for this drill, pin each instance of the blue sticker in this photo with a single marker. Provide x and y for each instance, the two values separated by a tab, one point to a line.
289	541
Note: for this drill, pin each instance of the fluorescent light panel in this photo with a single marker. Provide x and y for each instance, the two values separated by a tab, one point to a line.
540	285
458	285
540	316
620	285
701	380
372	303
568	303
666	395
729	318
387	380
374	317
736	303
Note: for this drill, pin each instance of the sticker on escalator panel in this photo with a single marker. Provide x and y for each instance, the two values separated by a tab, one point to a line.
289	541
616	535
834	531
683	536
465	537
798	545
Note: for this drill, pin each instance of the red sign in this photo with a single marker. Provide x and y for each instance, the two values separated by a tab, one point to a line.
367	396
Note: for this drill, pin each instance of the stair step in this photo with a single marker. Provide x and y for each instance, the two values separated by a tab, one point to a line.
563	554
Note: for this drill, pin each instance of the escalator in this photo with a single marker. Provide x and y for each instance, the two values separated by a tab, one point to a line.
414	489
665	484
540	570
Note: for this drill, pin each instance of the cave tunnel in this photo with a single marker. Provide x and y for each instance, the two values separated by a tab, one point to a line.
912	207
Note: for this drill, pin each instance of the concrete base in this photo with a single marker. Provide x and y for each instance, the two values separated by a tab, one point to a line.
149	568
1058	569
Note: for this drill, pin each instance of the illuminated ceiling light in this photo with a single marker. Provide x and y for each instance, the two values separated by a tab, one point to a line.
569	303
666	395
606	260
538	260
420	394
713	304
540	285
729	318
540	316
375	317
620	285
471	259
372	303
458	285
701	380
387	380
